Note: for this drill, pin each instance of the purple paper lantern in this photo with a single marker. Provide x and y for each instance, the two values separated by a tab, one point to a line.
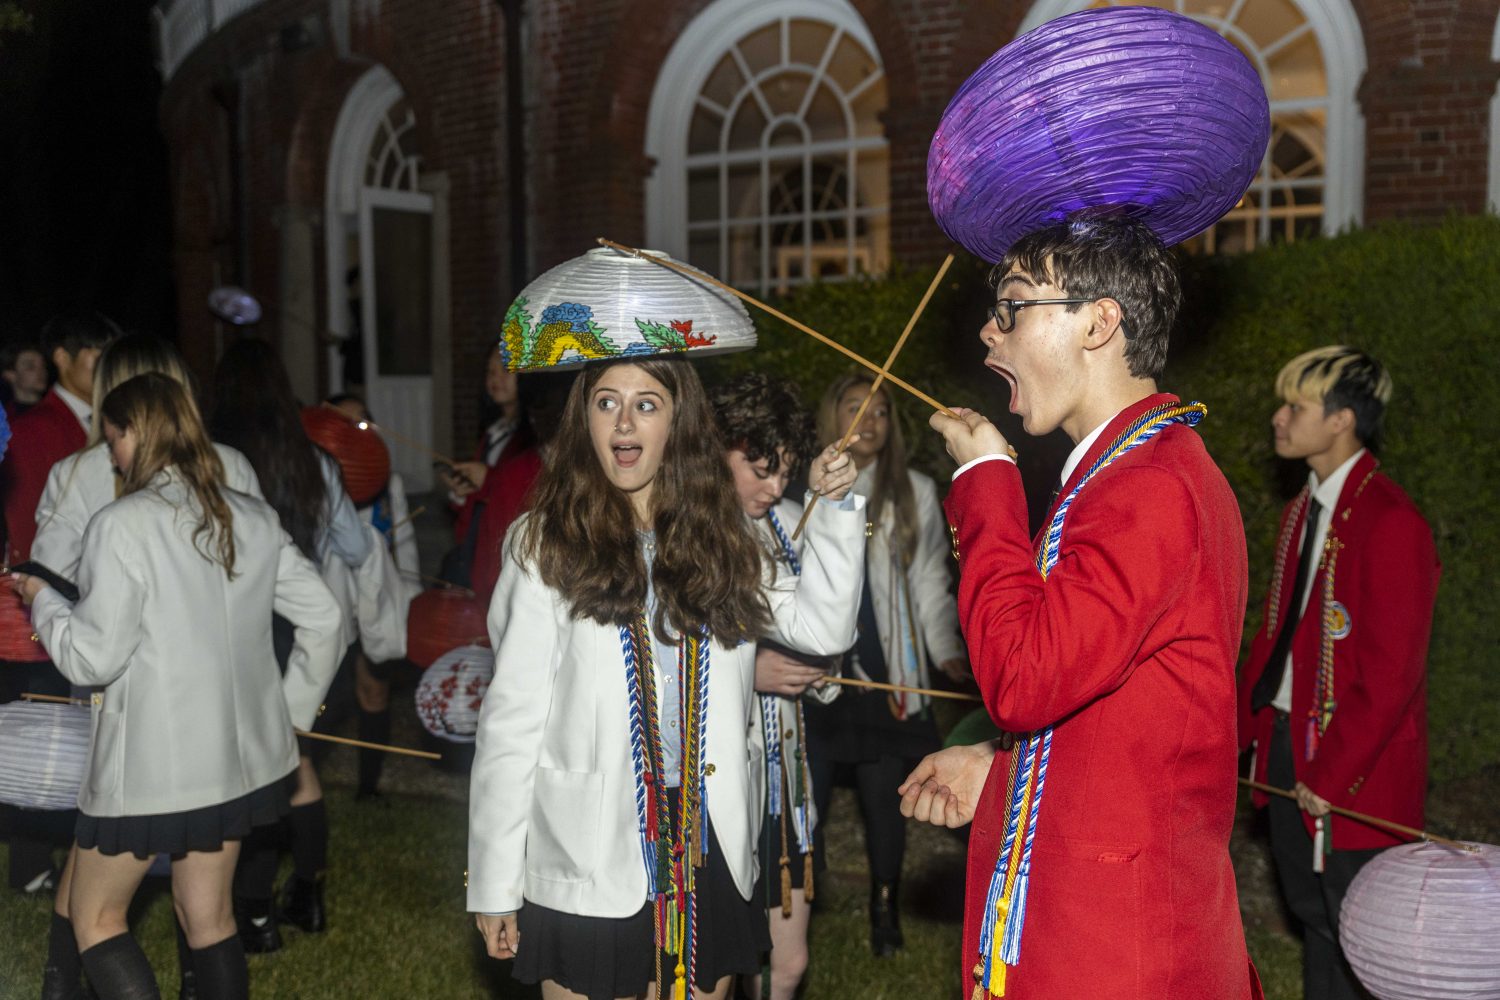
234	305
1129	110
1422	922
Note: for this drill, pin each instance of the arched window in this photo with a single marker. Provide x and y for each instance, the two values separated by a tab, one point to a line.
1309	55
772	165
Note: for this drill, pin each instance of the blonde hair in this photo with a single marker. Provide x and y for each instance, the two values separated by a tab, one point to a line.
125	358
169	434
892	483
1340	377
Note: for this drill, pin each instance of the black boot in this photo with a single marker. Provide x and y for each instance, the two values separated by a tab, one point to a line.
885	921
221	970
187	988
302	904
256	921
118	970
60	977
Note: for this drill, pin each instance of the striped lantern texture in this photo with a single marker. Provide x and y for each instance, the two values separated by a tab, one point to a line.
362	455
443	619
44	753
16	642
1422	922
1131	111
451	692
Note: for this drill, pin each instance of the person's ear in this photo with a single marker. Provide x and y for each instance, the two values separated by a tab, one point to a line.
61	359
1107	317
1340	420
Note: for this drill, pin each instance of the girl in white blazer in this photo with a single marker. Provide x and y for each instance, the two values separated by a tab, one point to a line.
908	620
568	769
769	436
192	738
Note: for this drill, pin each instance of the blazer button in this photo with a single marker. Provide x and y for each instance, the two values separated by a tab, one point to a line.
789	734
708	770
466	878
96	698
321	709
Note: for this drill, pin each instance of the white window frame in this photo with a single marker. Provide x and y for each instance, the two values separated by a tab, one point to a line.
681	80
1492	199
1341	40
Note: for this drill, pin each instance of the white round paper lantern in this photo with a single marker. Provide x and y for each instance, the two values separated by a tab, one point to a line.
451	691
1422	922
44	751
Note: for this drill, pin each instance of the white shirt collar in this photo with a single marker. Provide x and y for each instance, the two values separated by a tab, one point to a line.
1081	449
1327	492
83	410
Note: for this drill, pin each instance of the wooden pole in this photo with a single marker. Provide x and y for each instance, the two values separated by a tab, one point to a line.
882	686
880	377
757	303
1408	831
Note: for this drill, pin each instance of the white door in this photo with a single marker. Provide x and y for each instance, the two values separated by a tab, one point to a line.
395	264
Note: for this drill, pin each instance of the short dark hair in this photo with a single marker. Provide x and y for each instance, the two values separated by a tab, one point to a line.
76	330
1340	378
762	417
1111	257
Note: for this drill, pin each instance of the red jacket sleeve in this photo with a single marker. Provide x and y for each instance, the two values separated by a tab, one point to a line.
1042	650
1396	579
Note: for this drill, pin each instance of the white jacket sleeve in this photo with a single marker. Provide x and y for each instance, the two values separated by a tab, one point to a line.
344	534
92	641
61	517
816	612
936	611
526	635
303	599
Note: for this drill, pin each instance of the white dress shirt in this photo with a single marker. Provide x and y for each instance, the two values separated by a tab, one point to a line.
1327	495
82	408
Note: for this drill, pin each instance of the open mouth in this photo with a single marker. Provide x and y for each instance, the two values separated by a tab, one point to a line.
626	455
1011	380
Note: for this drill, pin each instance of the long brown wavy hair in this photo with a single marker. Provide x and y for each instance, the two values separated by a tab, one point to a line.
892	484
169	434
581	536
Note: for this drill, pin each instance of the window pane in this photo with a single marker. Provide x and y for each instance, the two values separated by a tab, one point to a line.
703	249
850	65
785	91
809	41
868	108
744	191
749	126
825	117
724	82
762	48
703	194
744	255
703	136
1297	71
1267	21
403	291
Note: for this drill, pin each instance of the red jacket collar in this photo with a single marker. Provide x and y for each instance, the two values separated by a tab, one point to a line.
1358	476
1113	430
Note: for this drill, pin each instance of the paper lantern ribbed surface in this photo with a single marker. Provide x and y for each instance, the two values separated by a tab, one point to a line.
1132	110
44	752
440	620
451	691
362	456
16	642
1422	922
606	305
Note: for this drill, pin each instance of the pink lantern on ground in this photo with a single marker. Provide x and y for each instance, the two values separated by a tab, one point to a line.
1422	922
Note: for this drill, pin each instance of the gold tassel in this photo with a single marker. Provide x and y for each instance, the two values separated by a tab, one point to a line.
807	875
679	989
786	888
978	993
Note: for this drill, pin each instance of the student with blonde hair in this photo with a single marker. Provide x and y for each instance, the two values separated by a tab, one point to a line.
193	725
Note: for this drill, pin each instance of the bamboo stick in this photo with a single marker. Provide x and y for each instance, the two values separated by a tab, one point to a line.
757	303
880	377
882	686
1408	831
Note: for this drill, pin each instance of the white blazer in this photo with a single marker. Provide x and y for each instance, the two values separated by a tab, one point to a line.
83	484
915	611
552	811
194	711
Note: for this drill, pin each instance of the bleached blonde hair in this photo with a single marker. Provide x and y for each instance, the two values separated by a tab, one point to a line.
1340	377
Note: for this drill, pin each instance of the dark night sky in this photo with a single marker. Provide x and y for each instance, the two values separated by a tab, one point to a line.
84	206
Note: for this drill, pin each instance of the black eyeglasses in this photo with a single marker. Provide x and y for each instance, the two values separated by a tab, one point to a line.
1003	312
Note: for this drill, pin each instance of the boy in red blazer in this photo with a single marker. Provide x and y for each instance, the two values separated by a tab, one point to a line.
1113	632
1333	696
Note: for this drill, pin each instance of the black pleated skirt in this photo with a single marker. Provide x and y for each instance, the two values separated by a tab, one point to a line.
602	958
768	886
203	829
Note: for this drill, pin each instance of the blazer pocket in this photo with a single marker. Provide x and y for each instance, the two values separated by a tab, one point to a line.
563	842
1095	902
106	751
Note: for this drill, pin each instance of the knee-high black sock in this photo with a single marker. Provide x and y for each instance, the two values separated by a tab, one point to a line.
62	951
255	875
221	970
184	953
118	970
374	727
309	826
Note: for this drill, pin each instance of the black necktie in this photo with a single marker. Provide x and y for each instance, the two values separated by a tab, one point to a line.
1270	678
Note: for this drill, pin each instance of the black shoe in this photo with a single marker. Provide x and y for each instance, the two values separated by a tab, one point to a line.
189	988
372	796
257	926
885	922
302	904
56	987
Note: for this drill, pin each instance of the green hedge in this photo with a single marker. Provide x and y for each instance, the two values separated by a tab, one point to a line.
1426	301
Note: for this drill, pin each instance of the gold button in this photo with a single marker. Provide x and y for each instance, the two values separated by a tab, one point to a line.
321	709
789	734
709	769
96	698
466	878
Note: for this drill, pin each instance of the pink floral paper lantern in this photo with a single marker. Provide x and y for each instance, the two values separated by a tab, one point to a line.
1422	922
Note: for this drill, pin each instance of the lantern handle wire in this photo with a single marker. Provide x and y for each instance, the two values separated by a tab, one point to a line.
400	438
1409	831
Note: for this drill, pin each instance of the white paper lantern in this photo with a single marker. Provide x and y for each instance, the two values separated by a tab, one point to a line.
1422	922
44	751
451	691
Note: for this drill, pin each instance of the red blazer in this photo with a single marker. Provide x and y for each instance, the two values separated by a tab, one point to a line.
1128	649
42	436
1372	757
506	491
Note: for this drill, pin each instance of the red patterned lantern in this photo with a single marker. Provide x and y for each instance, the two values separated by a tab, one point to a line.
443	619
361	454
16	642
